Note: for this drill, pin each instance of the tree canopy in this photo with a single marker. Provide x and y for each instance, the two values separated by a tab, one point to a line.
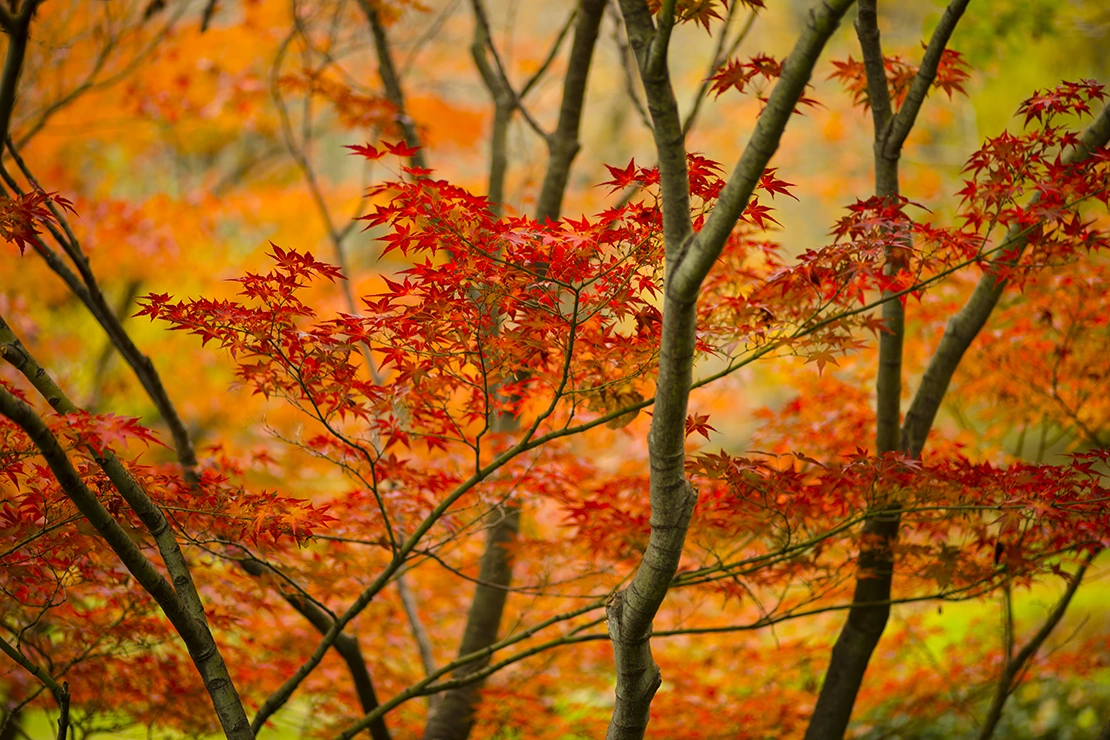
486	369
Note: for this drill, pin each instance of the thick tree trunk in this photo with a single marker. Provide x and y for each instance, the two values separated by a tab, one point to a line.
866	619
689	258
564	146
452	716
870	610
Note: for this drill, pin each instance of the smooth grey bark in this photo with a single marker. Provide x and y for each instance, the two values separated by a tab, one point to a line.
689	258
870	611
452	716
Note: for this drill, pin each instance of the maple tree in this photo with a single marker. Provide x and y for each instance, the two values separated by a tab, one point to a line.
472	474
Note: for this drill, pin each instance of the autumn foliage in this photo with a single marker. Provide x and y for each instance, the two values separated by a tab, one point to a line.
353	441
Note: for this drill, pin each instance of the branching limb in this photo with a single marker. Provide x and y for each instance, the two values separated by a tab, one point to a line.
13	351
1013	666
667	129
503	83
503	107
193	632
628	69
545	65
346	645
865	625
689	259
902	124
697	258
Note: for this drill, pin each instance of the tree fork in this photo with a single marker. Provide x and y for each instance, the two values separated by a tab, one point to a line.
689	258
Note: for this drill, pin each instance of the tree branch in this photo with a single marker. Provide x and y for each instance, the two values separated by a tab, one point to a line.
923	80
865	624
666	127
689	259
419	633
390	81
193	632
888	386
503	107
180	601
19	30
867	31
346	645
966	324
29	665
563	145
505	85
91	296
1014	666
13	351
698	259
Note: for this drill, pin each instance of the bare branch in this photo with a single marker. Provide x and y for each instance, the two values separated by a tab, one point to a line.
346	645
1014	665
551	54
18	28
505	85
903	123
388	73
563	144
697	258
